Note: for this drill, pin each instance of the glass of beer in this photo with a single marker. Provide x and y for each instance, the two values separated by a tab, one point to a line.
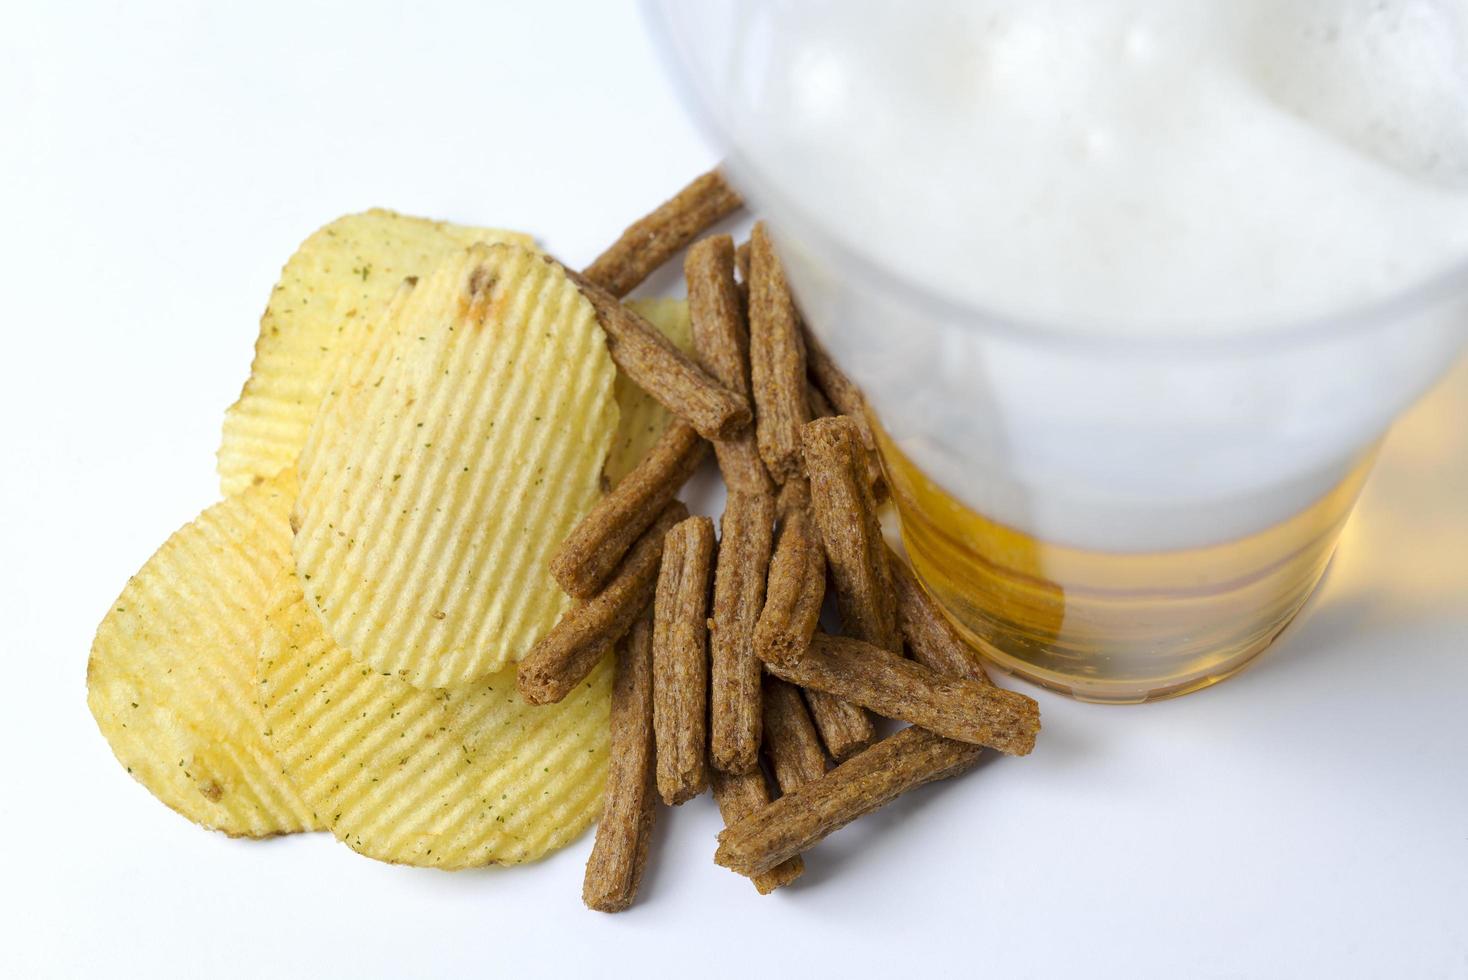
1134	291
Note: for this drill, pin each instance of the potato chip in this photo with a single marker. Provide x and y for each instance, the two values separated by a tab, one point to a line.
452	778
171	679
643	419
355	370
425	525
327	291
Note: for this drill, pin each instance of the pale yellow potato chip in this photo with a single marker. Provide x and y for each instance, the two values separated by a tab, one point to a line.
171	678
328	291
643	419
452	778
355	370
430	504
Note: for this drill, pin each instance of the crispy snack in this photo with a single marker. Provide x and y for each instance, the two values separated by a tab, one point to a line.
845	728
653	240
664	371
328	294
805	816
722	346
846	512
452	778
777	361
931	639
794	495
583	636
681	660
426	525
739	593
643	419
797	587
614	870
791	743
591	552
894	687
792	611
739	795
171	677
837	389
822	407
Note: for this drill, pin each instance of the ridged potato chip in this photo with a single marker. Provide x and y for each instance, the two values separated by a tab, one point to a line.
643	419
171	678
327	292
424	527
452	778
355	371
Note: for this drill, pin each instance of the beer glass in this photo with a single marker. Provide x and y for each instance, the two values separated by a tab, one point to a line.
1119	518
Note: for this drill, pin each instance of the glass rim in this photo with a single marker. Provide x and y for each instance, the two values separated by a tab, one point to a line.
1380	313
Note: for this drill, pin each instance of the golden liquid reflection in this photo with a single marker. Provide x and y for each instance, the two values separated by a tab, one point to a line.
1134	627
1406	547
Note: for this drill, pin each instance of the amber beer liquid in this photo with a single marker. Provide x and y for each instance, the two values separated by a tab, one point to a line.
1114	626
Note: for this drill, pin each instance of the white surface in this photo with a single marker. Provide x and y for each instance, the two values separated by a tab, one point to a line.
158	163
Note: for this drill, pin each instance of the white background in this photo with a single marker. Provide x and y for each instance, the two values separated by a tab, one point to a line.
158	162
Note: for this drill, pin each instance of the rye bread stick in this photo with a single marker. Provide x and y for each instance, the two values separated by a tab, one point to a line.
846	512
908	759
845	728
895	687
853	405
566	654
844	396
792	611
796	589
614	870
592	550
805	816
820	408
721	344
662	370
739	795
793	496
828	390
681	661
655	238
776	360
790	740
735	702
931	639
